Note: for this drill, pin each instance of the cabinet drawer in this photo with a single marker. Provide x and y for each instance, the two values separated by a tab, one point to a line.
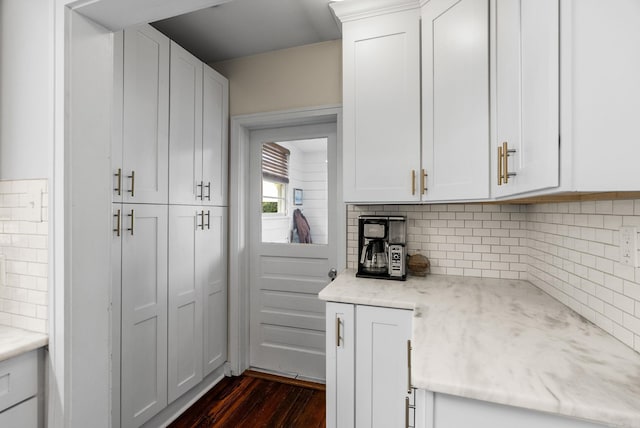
24	415
18	379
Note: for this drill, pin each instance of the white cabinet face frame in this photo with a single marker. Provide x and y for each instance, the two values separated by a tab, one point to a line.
381	92
455	100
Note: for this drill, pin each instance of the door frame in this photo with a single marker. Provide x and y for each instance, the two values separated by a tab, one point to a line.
239	214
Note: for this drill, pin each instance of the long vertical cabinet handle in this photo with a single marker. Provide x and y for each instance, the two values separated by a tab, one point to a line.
337	332
199	186
133	183
423	185
208	186
201	215
132	217
118	187
208	219
117	229
500	165
506	152
409	388
406	412
413	181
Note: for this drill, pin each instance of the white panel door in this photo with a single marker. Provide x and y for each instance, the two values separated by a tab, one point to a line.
381	92
382	377
144	312
341	338
287	325
527	93
211	262
185	130
145	116
185	300
215	146
455	101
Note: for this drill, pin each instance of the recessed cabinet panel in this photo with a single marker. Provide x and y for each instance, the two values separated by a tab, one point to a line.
145	116
455	82
185	147
381	60
144	312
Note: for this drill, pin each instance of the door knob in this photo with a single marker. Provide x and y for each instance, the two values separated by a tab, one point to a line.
332	273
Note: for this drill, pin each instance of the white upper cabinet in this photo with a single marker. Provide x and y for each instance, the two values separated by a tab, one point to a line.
455	100
526	88
381	103
198	131
141	123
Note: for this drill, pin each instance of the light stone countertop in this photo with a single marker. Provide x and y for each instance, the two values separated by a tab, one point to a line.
506	341
16	341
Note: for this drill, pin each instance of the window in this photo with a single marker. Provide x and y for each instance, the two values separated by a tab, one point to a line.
275	177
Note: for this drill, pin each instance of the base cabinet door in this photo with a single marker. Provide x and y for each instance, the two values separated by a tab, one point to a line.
211	262
144	312
383	381
340	352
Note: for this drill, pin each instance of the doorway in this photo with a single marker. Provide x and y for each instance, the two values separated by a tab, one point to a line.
293	245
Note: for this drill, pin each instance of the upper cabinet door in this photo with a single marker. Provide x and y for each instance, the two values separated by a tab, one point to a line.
526	85
145	116
455	100
215	145
381	105
185	139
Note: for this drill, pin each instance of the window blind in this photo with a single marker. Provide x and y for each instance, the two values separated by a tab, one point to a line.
275	163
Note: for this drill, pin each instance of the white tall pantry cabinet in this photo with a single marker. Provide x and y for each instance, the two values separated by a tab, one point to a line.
169	251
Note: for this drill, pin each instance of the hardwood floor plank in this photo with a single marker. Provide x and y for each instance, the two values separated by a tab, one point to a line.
257	401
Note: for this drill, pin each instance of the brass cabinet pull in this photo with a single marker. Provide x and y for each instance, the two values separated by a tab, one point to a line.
423	185
118	188
413	181
208	219
117	229
133	183
337	332
199	196
208	186
406	412
132	217
506	152
499	165
409	388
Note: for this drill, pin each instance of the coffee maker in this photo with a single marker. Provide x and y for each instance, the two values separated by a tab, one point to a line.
381	247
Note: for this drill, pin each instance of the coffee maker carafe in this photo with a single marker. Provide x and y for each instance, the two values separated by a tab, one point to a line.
381	241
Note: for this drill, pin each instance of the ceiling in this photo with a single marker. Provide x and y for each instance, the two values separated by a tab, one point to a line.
247	27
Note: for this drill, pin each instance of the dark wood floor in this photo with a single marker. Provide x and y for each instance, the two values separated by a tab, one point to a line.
257	400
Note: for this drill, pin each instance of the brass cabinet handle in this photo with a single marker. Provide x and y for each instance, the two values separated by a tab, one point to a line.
208	186
117	229
413	181
118	188
423	185
208	219
499	165
337	332
409	388
132	217
406	412
133	183
506	152
199	196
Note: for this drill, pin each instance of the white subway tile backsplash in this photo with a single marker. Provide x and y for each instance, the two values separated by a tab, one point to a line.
570	250
23	243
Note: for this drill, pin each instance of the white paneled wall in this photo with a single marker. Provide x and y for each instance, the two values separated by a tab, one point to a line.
570	250
23	251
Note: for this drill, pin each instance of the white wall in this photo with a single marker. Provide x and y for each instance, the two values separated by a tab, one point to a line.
26	88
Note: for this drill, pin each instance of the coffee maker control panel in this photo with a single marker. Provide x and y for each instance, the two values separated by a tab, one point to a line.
396	260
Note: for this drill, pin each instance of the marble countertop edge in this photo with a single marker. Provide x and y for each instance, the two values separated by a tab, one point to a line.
16	341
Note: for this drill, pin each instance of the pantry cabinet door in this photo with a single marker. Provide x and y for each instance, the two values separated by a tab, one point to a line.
185	135
382	376
340	352
144	312
527	93
145	116
185	300
215	145
211	262
381	84
455	99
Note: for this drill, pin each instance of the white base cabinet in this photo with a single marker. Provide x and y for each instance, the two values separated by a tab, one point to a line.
368	358
21	404
448	411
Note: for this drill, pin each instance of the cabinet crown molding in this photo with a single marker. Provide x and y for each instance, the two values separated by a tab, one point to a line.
352	10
